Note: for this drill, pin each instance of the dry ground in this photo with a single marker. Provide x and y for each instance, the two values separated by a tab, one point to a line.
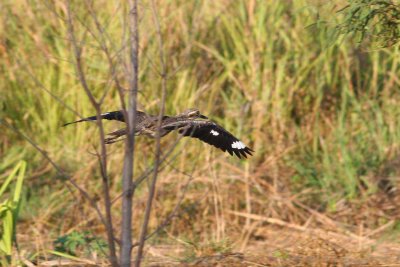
356	234
270	246
287	247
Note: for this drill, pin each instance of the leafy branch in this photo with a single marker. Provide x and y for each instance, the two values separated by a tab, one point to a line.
375	20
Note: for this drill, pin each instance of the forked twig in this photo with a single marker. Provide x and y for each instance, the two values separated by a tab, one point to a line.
174	213
163	74
77	50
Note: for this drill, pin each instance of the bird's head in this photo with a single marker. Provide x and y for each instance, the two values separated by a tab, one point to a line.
192	113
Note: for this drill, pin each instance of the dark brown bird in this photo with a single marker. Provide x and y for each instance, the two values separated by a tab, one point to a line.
189	123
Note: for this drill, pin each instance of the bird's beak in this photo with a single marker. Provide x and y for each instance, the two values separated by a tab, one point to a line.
203	117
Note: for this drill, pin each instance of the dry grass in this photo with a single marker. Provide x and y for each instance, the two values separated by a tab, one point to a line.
284	247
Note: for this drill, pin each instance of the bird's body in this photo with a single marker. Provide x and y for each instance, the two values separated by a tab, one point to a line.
189	123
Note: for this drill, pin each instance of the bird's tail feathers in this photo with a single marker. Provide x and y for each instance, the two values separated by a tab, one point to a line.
92	118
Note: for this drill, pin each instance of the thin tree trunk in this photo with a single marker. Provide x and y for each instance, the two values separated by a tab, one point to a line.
127	176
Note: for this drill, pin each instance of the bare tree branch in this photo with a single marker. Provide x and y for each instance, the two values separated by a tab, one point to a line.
111	64
22	64
59	170
163	74
127	175
77	49
174	213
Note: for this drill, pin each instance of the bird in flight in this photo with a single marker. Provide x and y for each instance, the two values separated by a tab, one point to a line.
188	123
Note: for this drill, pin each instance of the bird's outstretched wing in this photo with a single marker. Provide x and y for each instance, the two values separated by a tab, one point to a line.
214	134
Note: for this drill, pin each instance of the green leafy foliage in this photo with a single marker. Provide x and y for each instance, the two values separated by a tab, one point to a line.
196	249
375	20
80	244
10	195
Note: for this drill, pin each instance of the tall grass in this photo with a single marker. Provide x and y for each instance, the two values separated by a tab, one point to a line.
321	114
9	211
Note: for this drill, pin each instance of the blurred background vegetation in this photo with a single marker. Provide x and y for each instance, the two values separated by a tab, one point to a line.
321	111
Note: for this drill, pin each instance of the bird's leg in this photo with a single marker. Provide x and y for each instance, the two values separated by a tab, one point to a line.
115	135
184	130
118	133
111	140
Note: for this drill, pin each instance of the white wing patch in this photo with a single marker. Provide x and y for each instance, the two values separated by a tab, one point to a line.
238	145
215	133
105	114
